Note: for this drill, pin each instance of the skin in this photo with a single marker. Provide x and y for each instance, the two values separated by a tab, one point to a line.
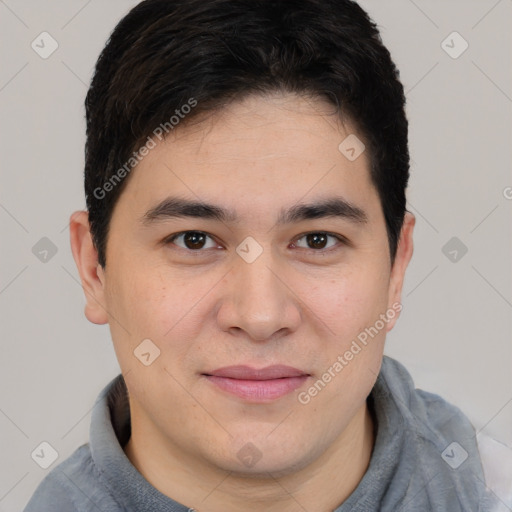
296	304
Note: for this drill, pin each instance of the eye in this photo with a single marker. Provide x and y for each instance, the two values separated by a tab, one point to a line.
191	240
194	241
318	241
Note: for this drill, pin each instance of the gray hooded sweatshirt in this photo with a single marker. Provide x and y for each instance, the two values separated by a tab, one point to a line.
425	459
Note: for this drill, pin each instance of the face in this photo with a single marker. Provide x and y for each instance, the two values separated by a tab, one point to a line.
266	282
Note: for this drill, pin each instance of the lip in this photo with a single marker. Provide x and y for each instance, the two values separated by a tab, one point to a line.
244	372
257	385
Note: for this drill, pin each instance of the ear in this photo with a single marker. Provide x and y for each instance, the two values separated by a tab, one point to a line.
402	258
91	273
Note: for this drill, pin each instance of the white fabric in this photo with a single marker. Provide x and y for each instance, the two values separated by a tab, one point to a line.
497	465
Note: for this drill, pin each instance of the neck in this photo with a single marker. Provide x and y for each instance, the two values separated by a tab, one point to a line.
322	485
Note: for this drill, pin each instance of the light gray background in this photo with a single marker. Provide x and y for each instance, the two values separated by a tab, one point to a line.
454	334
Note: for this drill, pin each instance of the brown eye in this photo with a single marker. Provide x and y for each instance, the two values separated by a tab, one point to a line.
191	240
318	240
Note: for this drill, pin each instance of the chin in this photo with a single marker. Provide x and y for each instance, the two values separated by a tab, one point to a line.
261	471
249	462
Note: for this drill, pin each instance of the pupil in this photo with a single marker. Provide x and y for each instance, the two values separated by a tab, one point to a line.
317	240
194	240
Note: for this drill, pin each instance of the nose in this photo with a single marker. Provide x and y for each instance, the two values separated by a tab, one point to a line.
259	300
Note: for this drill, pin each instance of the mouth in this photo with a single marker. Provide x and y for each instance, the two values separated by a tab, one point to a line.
257	385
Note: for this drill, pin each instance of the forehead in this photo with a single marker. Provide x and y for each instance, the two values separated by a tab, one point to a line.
256	153
265	126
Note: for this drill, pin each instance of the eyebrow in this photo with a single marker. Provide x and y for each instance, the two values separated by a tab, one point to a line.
176	207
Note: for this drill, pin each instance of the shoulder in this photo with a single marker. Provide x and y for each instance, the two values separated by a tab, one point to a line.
74	486
450	432
442	419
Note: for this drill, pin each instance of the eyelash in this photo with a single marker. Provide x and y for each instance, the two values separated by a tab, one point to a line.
343	241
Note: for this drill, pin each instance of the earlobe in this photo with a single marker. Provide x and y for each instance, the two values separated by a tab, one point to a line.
402	259
91	273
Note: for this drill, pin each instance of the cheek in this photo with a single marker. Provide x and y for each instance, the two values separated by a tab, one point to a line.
349	303
168	308
136	301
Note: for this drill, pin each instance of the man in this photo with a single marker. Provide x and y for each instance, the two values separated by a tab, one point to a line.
246	239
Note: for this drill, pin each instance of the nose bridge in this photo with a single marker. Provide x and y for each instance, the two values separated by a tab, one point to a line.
257	282
260	303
